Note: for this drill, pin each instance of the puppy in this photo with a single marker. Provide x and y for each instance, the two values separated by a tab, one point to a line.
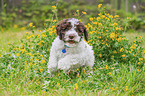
69	51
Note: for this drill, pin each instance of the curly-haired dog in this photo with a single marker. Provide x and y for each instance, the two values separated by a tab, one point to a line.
69	51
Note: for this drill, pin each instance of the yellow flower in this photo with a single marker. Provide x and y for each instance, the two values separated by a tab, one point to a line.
126	88
15	26
28	37
30	64
0	55
109	73
84	12
38	43
106	67
118	28
91	19
144	51
32	36
110	24
140	59
116	16
80	20
58	83
50	33
115	24
43	35
23	50
133	46
94	22
124	38
34	65
112	35
98	18
113	88
38	35
42	41
54	20
54	7
58	74
41	70
18	54
110	16
134	54
39	30
99	6
27	33
121	50
112	56
23	28
100	55
77	74
76	86
128	18
115	51
100	24
140	37
103	16
87	80
42	61
123	55
100	14
30	24
84	71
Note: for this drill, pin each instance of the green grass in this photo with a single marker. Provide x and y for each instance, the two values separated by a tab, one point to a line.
11	37
132	36
122	81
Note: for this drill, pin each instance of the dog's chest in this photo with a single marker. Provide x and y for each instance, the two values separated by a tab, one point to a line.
61	53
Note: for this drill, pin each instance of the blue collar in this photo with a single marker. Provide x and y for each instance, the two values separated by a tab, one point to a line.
67	46
64	50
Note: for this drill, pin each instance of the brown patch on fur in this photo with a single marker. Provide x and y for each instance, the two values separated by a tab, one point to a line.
80	28
62	27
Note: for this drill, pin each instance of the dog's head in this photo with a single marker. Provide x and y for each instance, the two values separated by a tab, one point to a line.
71	31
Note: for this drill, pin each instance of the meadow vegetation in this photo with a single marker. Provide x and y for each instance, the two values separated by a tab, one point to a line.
118	70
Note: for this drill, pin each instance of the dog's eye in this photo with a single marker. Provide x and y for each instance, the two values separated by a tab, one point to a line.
64	28
78	30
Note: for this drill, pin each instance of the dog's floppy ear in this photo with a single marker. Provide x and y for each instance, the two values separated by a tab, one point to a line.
58	31
86	34
81	27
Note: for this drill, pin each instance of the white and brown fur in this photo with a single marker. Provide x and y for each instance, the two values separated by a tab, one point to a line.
70	38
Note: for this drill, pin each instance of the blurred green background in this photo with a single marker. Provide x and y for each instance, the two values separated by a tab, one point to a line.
19	13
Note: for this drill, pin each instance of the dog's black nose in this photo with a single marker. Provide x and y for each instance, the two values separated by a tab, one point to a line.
71	36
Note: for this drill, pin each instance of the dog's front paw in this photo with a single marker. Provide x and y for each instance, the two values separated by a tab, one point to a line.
63	65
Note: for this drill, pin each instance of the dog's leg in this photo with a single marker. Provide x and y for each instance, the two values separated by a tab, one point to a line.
52	64
69	61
